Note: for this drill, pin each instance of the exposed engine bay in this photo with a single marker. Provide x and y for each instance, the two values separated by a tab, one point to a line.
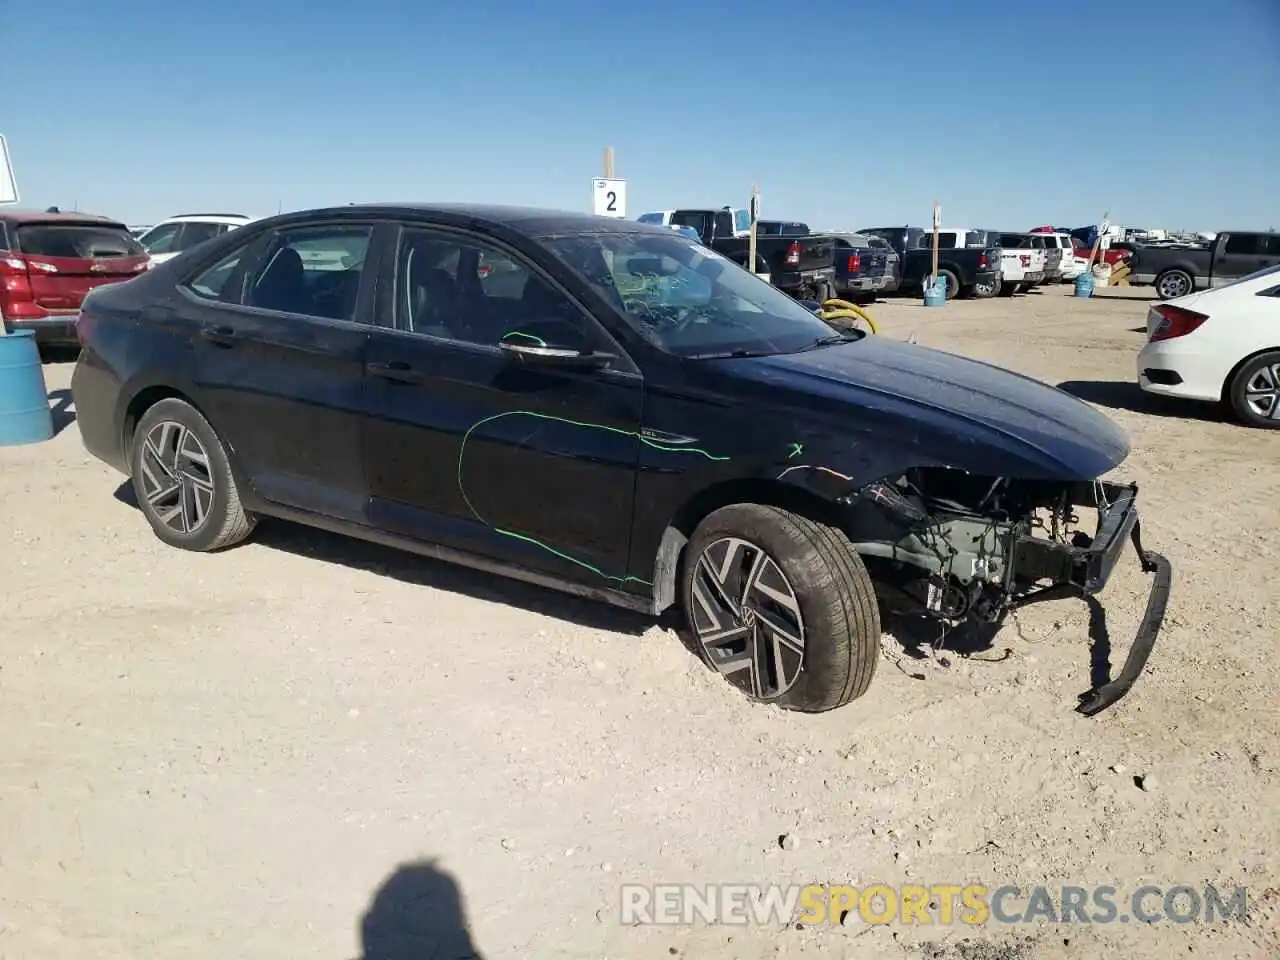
978	547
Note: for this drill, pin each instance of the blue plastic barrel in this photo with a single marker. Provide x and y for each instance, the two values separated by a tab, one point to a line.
1084	285
25	416
935	294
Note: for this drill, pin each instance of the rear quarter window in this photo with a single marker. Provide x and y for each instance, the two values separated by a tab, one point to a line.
1241	243
76	241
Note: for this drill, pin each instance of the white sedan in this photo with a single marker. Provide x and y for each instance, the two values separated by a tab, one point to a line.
1220	345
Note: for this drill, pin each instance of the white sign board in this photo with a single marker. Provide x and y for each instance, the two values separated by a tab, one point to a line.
609	198
937	216
8	185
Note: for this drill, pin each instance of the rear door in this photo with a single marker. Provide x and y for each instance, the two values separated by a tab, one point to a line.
67	259
283	325
1240	255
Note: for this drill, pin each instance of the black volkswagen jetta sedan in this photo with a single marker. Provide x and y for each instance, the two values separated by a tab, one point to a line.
606	408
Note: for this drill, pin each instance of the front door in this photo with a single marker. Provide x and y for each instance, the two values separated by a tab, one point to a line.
467	448
280	364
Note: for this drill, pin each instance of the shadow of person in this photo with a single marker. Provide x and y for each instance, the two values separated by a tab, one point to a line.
417	914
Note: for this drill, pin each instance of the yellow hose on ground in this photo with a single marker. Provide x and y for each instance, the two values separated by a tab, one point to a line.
844	310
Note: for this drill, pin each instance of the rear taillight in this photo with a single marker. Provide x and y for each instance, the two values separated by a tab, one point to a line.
982	260
855	263
17	299
793	254
1171	322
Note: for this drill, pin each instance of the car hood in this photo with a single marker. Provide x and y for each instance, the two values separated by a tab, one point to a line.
959	412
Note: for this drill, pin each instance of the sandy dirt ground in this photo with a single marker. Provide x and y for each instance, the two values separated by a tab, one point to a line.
307	747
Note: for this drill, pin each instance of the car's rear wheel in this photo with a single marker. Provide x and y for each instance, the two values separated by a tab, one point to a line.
183	482
1255	391
781	606
1173	284
952	282
984	289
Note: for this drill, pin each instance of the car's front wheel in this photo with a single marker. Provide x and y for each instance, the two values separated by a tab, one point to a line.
182	479
781	606
1254	391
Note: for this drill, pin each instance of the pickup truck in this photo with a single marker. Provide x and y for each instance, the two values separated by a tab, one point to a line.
781	228
1178	272
1071	266
965	269
865	266
1030	257
1010	271
802	266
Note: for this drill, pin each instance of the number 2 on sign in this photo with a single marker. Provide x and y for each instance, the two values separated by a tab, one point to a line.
611	202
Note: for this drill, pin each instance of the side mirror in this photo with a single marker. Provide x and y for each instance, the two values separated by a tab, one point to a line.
561	358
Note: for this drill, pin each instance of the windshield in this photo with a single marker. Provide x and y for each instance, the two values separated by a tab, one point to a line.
688	300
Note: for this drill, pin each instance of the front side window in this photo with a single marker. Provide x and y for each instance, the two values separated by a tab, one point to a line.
457	288
161	239
688	300
313	271
659	218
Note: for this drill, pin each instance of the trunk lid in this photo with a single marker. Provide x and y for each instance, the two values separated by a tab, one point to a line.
65	260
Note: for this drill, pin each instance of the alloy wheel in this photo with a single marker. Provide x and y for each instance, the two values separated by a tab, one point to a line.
176	480
1262	391
746	618
1174	285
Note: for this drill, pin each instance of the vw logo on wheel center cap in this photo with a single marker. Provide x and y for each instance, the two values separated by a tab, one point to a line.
748	617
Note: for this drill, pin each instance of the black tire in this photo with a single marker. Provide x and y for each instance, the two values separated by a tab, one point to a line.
212	516
838	617
1172	284
952	282
1254	392
1009	289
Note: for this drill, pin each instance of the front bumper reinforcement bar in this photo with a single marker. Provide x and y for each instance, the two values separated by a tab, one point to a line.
1083	570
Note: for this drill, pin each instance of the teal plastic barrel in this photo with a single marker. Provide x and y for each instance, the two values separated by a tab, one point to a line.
935	293
1084	285
25	416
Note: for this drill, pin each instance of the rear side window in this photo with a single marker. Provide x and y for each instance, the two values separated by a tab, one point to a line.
76	241
651	218
1242	243
212	283
742	220
194	234
1270	245
314	271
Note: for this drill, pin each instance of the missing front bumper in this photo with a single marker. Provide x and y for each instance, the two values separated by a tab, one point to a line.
1083	570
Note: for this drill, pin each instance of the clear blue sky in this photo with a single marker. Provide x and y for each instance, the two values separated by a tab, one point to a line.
847	112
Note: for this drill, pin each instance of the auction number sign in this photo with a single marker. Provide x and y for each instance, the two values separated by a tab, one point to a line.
8	185
609	197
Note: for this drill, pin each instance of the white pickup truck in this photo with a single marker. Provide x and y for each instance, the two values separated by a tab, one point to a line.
1014	268
1018	253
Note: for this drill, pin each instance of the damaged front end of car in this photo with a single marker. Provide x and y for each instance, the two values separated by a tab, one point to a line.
976	548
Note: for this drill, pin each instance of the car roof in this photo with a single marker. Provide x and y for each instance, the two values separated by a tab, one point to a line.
531	221
208	218
20	217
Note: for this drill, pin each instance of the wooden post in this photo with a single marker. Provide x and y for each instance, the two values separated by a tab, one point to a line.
608	163
751	235
1097	241
936	217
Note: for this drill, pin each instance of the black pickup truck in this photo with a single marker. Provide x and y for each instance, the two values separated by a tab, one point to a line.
803	266
963	268
865	266
1177	272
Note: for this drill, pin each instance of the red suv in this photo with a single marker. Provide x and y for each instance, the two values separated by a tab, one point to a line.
49	261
